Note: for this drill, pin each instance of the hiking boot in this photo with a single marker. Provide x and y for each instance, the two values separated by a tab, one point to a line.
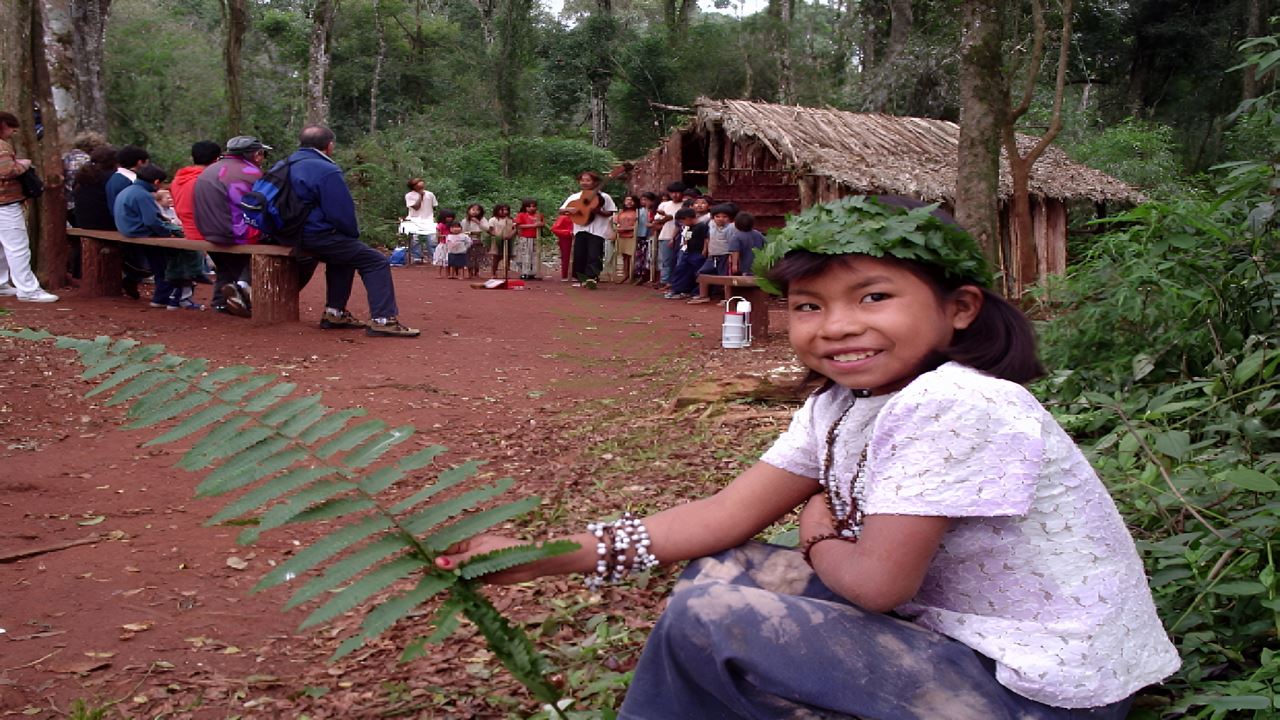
589	284
237	303
345	321
388	327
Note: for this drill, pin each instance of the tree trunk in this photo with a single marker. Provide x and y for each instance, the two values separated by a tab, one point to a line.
89	18
983	103
322	16
235	13
377	65
1024	261
601	74
786	81
880	78
47	222
1253	28
487	9
59	42
508	69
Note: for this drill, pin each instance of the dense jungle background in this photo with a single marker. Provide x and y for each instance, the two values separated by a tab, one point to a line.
1162	339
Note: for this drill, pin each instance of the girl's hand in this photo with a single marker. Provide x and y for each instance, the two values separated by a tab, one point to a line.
460	553
815	518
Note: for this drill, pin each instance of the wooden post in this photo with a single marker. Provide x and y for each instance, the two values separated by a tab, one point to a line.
713	163
103	266
275	289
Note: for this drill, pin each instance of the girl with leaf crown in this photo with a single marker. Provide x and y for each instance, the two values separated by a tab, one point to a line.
959	557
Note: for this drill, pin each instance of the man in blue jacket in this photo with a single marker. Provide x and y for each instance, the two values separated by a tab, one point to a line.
332	235
137	215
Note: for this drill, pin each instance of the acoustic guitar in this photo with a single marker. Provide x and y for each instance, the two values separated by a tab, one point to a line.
583	209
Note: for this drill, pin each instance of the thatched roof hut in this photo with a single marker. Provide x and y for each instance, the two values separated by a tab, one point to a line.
778	159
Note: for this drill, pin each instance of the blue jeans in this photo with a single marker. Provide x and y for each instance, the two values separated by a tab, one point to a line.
666	260
343	257
685	277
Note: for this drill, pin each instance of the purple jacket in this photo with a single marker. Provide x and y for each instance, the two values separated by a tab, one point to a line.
217	201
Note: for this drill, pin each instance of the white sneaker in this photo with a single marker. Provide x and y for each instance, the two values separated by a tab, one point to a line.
40	297
8	290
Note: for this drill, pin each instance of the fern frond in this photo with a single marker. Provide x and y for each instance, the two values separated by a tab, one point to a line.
294	426
446	480
330	509
436	514
286	411
269	397
193	424
222	376
265	493
247	474
210	452
167	411
330	425
387	613
284	512
366	587
510	645
375	448
326	547
347	568
507	558
473	525
194	458
351	438
139	385
236	392
27	334
242	460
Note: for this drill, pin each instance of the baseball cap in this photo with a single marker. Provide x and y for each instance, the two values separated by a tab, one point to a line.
245	143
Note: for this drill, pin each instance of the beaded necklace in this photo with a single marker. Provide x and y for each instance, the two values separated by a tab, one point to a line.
843	494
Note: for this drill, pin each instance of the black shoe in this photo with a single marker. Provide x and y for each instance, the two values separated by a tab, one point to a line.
236	302
130	287
390	328
345	321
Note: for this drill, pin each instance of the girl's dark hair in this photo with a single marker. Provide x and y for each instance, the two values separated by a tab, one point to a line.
744	221
446	214
1000	341
526	202
8	119
101	166
412	182
653	197
676	187
595	176
475	205
501	206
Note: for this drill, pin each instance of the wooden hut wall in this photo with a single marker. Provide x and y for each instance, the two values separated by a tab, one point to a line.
659	168
1049	218
749	174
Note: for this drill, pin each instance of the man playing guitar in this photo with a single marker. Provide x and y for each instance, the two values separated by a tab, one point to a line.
590	210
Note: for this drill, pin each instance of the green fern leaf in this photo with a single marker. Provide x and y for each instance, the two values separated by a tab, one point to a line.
421	459
294	426
348	567
511	646
193	424
500	560
367	586
192	368
194	459
248	474
157	397
125	373
387	613
286	411
447	620
447	479
236	392
375	448
210	382
323	549
380	480
444	510
269	397
351	438
168	411
330	425
282	513
278	487
331	509
473	525
27	334
140	356
242	440
137	386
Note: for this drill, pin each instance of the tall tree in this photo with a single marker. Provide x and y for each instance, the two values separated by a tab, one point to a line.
783	14
984	101
88	43
235	15
1023	243
602	29
380	30
323	13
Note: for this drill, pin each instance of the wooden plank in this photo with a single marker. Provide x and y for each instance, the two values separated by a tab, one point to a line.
181	243
275	289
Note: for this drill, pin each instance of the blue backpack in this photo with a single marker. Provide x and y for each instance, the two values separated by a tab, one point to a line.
274	208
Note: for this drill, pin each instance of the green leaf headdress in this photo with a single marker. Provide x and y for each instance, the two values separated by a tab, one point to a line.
866	226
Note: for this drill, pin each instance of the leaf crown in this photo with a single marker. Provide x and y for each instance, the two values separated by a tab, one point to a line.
872	226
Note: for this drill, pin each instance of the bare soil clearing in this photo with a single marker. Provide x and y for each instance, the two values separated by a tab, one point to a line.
152	611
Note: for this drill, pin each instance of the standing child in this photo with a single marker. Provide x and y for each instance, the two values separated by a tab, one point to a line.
502	230
440	257
669	229
476	227
457	242
624	227
933	485
644	217
529	223
691	245
419	220
720	233
744	244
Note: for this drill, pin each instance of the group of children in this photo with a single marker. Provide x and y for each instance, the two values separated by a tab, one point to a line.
462	248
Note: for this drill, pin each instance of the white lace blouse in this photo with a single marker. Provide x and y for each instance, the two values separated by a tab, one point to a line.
1038	572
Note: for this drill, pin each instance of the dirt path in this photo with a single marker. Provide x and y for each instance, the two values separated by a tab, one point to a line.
154	617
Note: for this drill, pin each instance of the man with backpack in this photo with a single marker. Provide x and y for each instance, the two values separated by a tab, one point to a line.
332	235
220	219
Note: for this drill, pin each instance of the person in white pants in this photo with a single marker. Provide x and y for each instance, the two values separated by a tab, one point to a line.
16	277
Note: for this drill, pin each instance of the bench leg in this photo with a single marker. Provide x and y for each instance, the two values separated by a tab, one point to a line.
759	300
103	267
275	289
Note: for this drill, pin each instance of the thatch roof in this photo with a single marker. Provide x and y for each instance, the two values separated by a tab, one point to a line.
875	153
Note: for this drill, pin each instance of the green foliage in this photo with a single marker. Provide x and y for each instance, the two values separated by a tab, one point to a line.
1167	338
862	225
1143	154
287	459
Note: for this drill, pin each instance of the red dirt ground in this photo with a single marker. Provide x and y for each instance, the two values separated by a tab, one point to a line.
154	617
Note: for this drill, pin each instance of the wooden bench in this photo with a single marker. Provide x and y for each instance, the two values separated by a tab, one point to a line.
744	286
274	269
